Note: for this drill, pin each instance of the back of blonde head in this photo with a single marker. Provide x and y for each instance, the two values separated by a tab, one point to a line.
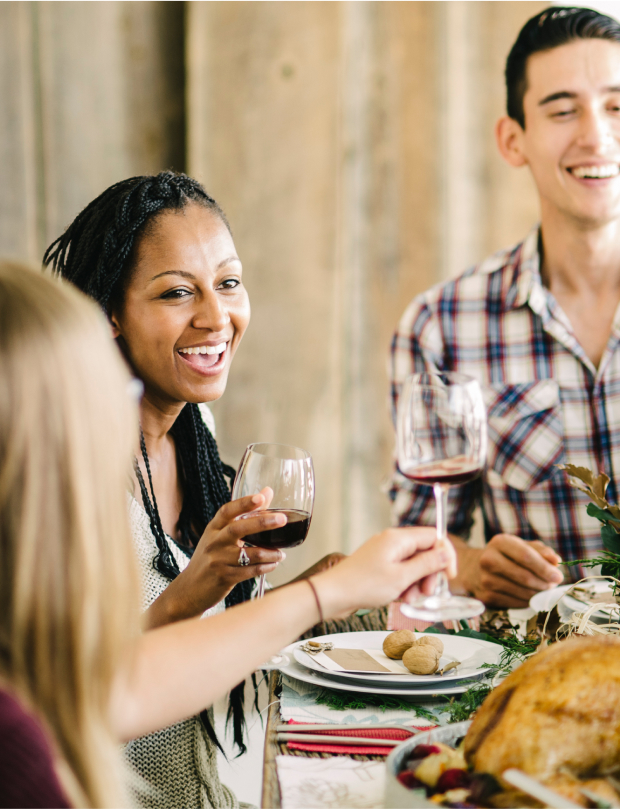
68	587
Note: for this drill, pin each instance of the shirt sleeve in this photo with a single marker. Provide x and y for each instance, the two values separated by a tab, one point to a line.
418	347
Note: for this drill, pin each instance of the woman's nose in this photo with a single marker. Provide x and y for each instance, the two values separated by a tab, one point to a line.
211	314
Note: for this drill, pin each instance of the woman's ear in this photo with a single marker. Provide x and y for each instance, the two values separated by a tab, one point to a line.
509	138
114	326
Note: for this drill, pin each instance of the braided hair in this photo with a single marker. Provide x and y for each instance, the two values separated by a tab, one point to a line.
96	254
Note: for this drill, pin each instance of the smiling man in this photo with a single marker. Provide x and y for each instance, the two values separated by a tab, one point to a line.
538	324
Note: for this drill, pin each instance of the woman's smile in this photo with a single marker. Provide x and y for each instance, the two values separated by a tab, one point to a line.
206	359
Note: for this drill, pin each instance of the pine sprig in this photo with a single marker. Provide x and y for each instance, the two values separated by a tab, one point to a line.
345	701
462	708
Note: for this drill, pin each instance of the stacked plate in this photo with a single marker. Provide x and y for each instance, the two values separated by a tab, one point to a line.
472	654
588	593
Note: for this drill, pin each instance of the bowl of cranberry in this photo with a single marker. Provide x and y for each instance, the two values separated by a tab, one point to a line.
429	770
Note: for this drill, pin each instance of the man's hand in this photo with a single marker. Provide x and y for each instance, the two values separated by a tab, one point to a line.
508	571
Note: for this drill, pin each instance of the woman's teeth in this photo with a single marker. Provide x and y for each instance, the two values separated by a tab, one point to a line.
204	349
596	172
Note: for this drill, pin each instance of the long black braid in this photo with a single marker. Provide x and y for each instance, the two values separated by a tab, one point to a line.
95	253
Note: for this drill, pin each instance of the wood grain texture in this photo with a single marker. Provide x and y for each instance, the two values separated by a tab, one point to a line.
92	93
351	145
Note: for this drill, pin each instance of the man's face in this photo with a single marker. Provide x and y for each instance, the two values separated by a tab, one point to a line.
571	140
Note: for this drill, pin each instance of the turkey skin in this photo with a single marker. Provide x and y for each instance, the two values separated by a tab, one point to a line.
557	715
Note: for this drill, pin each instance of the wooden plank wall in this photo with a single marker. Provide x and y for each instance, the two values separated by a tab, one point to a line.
351	145
92	93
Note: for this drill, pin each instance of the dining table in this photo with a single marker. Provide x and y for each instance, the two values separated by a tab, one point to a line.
271	797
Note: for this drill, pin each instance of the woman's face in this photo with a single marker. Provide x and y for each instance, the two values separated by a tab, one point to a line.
185	309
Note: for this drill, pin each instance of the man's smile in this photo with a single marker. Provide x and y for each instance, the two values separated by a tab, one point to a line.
595	171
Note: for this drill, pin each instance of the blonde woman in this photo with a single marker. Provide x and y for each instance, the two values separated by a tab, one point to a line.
75	671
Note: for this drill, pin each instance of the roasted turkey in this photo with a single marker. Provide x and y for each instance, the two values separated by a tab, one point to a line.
556	717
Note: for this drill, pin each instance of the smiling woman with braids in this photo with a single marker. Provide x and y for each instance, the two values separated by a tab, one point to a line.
156	252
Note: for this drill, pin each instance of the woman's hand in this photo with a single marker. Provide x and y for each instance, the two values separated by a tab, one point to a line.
214	568
397	563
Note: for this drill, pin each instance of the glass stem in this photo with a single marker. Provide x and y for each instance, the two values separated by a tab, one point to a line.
441	501
260	592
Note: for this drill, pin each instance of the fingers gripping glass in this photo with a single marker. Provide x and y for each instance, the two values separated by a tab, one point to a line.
289	473
441	441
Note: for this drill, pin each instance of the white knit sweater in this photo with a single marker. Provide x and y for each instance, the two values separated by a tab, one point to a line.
179	764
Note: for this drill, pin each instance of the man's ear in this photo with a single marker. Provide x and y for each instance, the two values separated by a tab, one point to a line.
509	138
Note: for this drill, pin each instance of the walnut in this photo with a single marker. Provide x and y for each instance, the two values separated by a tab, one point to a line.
397	643
421	659
432	640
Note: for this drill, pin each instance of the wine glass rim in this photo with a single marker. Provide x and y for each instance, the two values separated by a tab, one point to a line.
255	445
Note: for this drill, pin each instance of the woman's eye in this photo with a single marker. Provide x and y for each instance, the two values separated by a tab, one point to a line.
175	294
230	283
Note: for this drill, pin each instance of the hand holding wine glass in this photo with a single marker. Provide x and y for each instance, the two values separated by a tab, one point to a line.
441	437
288	472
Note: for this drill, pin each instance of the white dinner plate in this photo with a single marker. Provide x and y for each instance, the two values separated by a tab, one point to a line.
472	653
547	599
297	672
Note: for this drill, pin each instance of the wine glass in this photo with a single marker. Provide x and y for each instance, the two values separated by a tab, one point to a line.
289	473
441	440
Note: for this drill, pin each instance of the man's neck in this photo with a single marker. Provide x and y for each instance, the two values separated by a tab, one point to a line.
580	258
581	268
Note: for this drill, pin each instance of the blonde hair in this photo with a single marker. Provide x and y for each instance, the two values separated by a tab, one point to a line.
68	584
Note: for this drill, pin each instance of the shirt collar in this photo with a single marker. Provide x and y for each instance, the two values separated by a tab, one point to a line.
527	286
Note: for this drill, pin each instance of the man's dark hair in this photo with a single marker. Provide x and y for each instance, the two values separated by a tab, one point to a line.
553	27
96	253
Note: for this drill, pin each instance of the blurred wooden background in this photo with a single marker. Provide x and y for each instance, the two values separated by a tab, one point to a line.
350	143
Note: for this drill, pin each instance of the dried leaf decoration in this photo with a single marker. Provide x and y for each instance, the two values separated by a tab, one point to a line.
595	487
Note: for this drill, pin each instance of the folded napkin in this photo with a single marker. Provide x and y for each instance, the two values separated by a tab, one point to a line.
355	732
298	703
330	783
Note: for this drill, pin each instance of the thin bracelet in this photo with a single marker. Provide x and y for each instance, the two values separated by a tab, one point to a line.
316	598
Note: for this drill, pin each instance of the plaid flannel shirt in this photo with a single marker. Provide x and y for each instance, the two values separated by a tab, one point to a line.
546	402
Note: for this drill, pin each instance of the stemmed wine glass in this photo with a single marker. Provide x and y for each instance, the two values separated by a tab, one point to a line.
441	440
289	473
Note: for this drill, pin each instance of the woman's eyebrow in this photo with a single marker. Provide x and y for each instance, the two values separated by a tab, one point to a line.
182	273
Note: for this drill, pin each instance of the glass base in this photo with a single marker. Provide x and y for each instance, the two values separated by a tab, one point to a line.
443	608
278	661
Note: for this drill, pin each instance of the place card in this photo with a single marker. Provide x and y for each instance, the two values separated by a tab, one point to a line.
359	661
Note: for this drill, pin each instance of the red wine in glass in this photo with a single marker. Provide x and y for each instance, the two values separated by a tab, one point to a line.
441	442
288	536
449	471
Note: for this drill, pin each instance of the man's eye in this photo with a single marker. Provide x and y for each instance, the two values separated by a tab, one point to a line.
175	294
563	113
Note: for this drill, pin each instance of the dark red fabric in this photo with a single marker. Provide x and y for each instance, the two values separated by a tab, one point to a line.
27	776
395	734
